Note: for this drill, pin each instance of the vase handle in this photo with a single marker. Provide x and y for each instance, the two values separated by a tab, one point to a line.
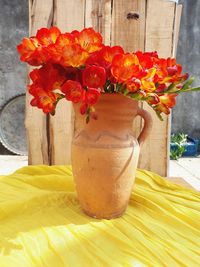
148	122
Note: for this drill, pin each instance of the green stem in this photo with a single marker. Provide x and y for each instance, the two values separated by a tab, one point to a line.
180	91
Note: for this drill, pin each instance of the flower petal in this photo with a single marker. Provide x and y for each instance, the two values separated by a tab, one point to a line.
94	76
73	91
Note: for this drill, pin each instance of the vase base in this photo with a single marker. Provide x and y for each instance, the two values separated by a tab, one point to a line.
110	216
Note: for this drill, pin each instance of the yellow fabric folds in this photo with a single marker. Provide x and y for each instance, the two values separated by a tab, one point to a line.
42	225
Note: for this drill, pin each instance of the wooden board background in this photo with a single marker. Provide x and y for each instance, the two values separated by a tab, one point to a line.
154	27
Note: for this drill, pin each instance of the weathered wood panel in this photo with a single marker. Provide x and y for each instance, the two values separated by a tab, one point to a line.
128	30
98	16
135	25
68	16
40	15
159	37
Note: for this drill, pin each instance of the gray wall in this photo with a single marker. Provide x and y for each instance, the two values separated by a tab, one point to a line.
186	114
13	27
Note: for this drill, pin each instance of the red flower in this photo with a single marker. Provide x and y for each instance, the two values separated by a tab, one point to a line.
43	99
145	59
161	88
125	67
73	91
104	56
92	96
94	76
152	99
83	108
133	85
80	66
107	54
89	40
48	77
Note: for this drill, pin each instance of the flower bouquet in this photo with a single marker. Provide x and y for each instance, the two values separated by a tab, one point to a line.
105	84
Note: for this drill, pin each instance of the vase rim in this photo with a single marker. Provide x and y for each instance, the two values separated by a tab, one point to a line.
118	95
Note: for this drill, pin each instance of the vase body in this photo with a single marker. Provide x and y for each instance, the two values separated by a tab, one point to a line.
105	155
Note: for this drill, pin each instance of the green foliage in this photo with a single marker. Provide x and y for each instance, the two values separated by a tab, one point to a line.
179	149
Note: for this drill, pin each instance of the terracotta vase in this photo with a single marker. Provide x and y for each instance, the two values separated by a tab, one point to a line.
105	155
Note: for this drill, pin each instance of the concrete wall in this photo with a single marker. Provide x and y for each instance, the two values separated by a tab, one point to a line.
186	114
13	27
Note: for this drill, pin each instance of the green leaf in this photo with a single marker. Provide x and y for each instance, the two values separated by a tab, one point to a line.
87	118
191	90
187	84
170	88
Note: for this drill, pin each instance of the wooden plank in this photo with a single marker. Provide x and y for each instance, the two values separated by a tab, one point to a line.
177	22
98	16
40	15
128	30
128	24
68	16
159	37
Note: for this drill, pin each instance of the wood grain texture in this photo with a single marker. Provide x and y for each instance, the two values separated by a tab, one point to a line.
177	23
129	33
159	37
136	25
40	15
98	15
68	16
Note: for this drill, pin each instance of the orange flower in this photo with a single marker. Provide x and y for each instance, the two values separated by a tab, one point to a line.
56	49
43	99
148	81
168	71
82	67
167	101
64	39
34	50
31	52
89	40
73	55
107	54
160	108
125	66
48	36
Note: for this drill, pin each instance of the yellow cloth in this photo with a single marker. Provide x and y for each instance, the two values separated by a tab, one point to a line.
42	225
